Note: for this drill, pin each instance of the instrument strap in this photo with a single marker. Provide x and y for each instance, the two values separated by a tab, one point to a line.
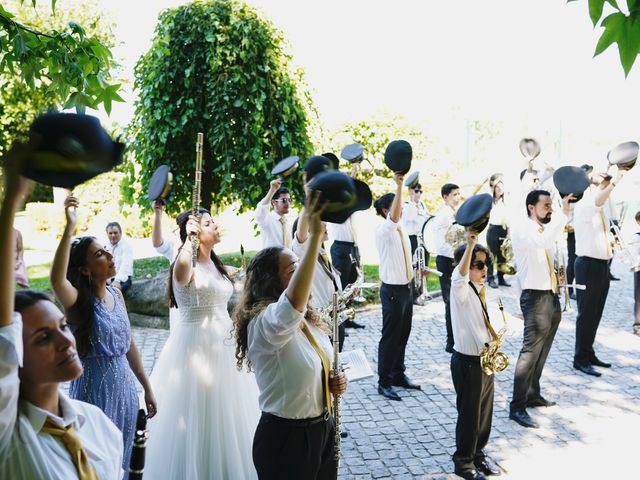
326	266
485	313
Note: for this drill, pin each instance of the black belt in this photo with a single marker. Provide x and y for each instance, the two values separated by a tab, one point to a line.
340	242
467	358
294	422
539	292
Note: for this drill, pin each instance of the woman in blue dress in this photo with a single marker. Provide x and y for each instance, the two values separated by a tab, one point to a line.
97	313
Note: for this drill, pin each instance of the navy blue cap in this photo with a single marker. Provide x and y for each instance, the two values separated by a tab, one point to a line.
474	212
285	168
571	180
398	156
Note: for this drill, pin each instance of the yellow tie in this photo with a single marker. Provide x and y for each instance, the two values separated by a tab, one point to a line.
353	230
326	364
285	237
406	252
482	297
72	444
604	230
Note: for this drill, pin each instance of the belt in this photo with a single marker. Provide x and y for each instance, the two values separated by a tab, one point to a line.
294	422
531	290
467	358
340	242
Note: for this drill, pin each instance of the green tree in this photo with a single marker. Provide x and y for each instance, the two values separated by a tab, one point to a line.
57	58
621	27
217	67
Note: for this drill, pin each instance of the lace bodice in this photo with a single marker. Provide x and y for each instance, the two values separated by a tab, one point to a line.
207	293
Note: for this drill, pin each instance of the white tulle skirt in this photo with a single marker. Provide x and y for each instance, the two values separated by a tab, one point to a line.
207	410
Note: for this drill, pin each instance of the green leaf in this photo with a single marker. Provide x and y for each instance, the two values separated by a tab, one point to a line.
629	44
614	29
595	10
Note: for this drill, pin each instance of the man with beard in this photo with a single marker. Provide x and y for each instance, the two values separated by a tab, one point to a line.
533	244
274	227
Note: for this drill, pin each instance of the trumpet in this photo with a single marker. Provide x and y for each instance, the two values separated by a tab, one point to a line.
336	371
196	194
419	266
627	255
492	360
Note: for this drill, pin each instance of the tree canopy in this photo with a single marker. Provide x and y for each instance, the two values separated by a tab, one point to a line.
219	68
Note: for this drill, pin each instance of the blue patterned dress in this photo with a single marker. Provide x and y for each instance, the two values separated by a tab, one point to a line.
108	381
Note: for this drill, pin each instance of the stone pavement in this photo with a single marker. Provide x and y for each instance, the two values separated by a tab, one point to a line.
590	434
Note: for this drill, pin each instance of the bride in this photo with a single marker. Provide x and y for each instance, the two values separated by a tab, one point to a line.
208	411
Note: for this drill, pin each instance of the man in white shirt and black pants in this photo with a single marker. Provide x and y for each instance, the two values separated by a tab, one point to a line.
274	226
474	388
446	217
396	293
533	243
594	252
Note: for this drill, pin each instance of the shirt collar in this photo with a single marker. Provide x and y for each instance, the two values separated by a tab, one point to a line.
37	416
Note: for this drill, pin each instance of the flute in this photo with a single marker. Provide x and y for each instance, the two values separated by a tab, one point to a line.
195	243
336	372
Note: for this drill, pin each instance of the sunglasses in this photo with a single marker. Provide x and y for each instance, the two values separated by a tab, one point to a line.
479	264
418	191
283	200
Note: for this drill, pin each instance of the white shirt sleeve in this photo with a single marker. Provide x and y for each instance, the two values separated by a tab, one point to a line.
166	249
275	325
261	213
460	285
126	263
10	359
388	227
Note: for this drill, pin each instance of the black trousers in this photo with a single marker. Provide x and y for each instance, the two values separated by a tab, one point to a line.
474	402
541	310
292	450
445	265
495	238
571	256
397	313
345	257
594	274
636	296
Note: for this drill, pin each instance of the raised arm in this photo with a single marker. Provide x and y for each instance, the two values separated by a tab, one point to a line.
395	212
64	290
603	195
156	231
183	266
302	232
465	261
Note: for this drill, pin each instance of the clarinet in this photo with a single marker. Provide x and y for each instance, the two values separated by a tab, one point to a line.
195	243
136	464
336	371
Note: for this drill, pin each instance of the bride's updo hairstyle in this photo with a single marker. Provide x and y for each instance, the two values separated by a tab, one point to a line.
182	220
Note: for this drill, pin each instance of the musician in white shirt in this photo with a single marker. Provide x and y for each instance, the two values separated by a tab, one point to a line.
498	229
37	352
446	217
474	388
285	342
414	214
122	257
533	243
274	225
396	293
593	251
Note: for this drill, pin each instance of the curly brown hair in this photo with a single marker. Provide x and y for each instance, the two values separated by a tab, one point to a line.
262	287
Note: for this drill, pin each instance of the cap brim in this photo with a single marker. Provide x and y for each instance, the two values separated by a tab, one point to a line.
365	198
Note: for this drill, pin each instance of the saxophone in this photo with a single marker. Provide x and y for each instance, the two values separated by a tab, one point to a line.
336	371
195	243
506	249
492	360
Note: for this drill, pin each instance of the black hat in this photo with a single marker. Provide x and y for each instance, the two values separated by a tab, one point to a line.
344	194
570	180
285	168
353	153
335	161
412	180
317	164
529	148
587	168
160	183
398	156
624	156
73	148
474	212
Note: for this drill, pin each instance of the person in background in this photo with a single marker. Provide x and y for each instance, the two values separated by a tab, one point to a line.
274	225
122	254
20	271
498	229
636	279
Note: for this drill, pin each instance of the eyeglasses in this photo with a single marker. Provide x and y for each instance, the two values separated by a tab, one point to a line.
283	200
479	264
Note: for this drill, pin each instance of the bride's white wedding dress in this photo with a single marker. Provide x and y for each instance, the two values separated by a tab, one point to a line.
207	410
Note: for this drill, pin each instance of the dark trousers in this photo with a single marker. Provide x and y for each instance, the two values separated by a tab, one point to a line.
636	296
541	311
292	450
495	238
445	265
345	257
594	274
571	256
397	312
474	401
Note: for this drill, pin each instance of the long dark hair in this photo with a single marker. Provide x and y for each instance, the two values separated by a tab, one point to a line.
82	313
182	220
262	287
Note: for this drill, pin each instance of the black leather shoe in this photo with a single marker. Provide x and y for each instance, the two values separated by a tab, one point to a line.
588	369
503	283
523	418
352	324
492	283
487	469
470	474
540	402
404	382
389	392
596	362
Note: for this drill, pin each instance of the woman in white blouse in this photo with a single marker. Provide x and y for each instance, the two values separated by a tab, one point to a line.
39	425
282	338
498	229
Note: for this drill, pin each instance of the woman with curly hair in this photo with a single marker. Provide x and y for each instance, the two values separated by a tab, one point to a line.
280	337
98	316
